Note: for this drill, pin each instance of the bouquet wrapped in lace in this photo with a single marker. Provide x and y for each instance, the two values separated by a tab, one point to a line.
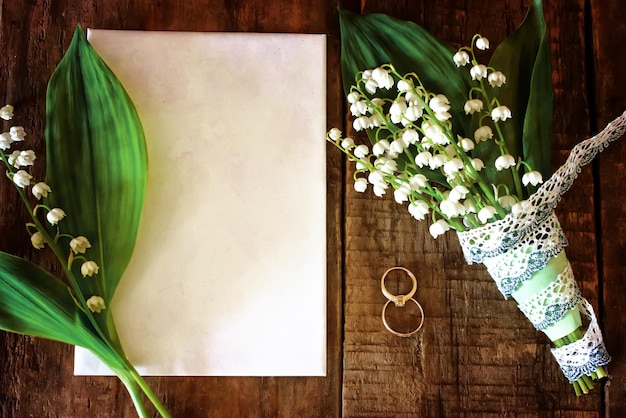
467	145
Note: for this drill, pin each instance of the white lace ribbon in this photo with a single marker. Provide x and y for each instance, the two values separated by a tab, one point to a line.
551	303
584	356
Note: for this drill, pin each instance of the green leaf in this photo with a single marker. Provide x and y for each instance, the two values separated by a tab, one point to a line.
96	162
524	57
368	41
36	303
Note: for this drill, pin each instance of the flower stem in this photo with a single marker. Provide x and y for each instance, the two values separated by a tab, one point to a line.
585	383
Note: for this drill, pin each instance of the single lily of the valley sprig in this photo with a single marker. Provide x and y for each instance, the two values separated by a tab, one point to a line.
46	231
417	154
66	247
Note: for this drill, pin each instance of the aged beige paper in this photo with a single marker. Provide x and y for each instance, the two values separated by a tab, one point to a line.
229	273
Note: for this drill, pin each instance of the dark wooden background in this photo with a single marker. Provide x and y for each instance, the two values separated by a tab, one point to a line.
477	356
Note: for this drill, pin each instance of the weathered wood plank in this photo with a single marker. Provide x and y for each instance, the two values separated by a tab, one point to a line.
477	355
609	92
35	375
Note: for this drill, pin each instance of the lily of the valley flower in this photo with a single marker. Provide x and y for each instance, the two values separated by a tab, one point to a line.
478	72
359	108
437	161
486	213
467	144
382	78
360	185
17	133
5	141
96	304
22	179
55	215
380	147
469	206
452	167
483	134
361	151
6	112
418	181
380	189
37	240
371	85
482	43
507	201
458	192
472	106
501	113
386	165
423	159
438	228
419	210
414	112
353	97
504	161
461	58
40	189
398	146
401	194
361	123
397	110
79	244
496	79
89	268
532	177
440	105
410	136
404	86
377	178
435	133
22	158
452	208
478	164
347	144
334	134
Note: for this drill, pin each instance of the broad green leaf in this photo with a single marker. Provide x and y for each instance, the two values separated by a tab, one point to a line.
36	303
96	164
368	41
524	57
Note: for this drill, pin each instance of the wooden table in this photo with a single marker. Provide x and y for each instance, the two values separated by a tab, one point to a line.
477	356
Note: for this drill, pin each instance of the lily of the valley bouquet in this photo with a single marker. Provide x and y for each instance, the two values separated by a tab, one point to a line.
467	146
86	212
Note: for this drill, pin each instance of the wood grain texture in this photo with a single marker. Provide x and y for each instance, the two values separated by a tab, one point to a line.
477	356
608	35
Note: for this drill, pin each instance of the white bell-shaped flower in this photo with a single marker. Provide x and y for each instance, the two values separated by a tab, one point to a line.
461	58
438	228
419	209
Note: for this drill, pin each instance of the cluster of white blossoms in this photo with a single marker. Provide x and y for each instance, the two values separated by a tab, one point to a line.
17	162
416	153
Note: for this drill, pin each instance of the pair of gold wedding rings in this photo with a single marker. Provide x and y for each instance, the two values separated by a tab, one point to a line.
400	301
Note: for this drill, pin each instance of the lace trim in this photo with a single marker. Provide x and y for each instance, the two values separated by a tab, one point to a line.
510	269
584	356
551	303
496	238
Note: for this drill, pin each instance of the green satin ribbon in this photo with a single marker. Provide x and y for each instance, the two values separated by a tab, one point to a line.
540	280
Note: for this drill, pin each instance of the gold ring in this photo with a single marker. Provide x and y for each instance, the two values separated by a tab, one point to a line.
398	300
400	334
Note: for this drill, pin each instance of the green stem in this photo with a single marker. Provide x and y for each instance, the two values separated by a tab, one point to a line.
515	174
149	393
135	394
